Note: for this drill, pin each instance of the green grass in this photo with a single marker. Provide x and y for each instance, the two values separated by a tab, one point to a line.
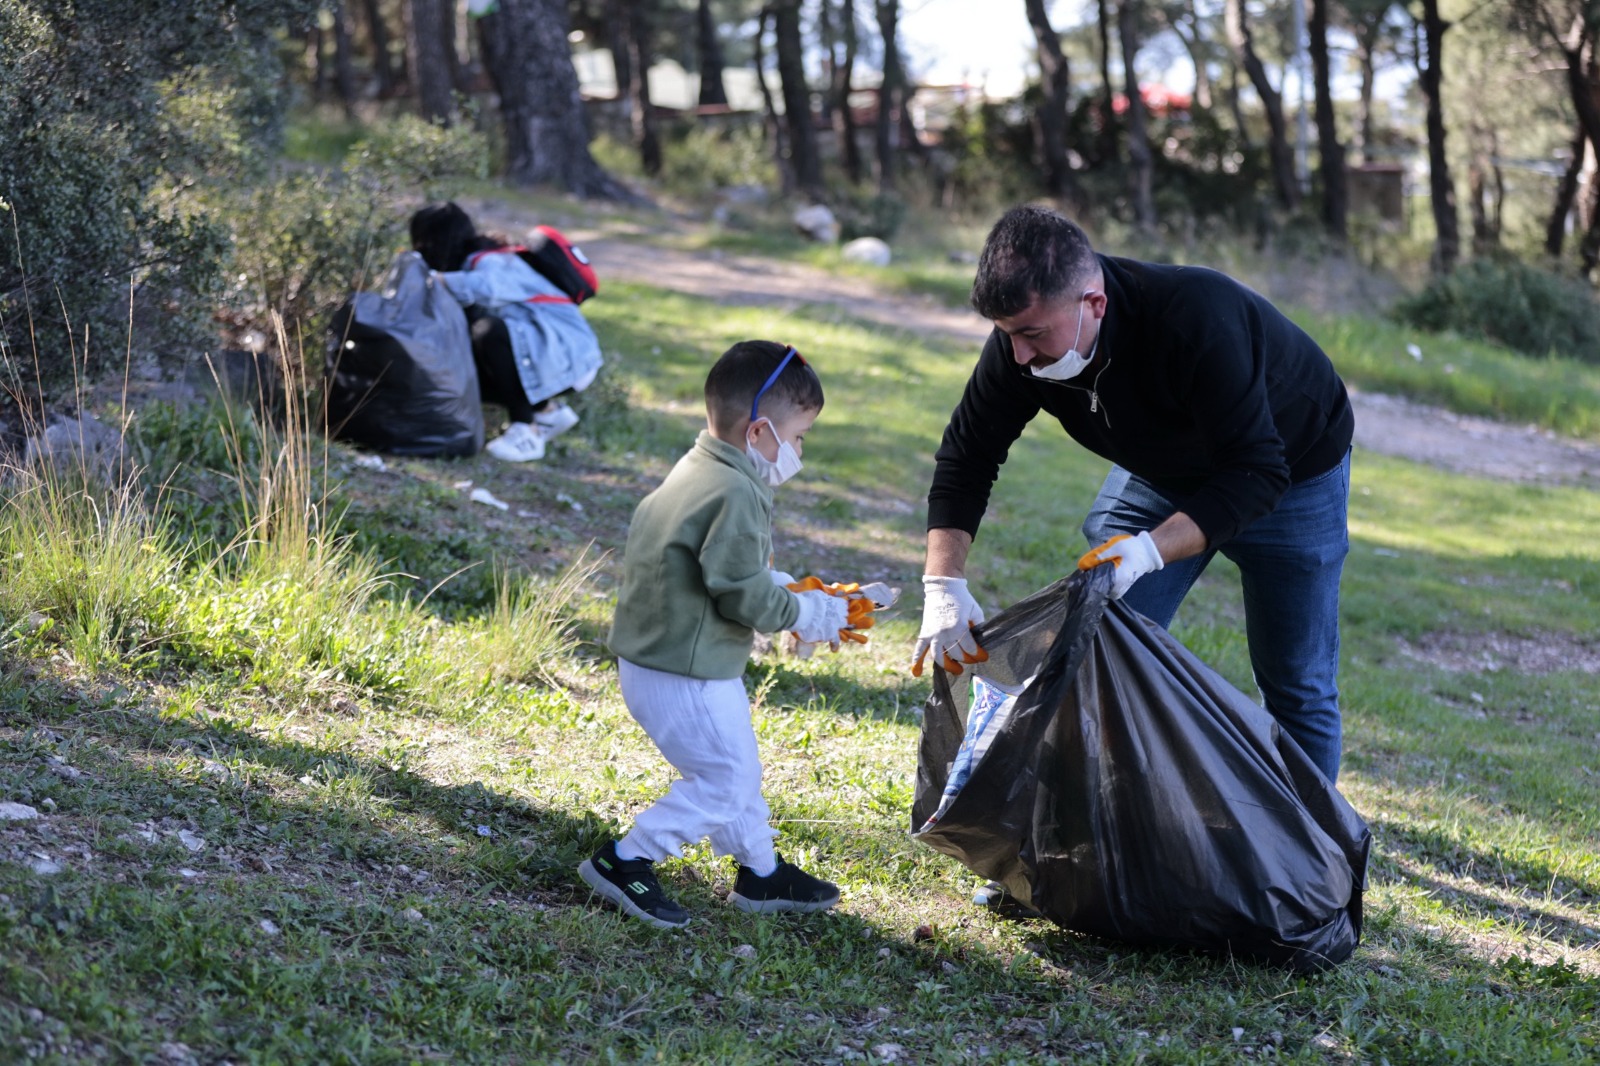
392	792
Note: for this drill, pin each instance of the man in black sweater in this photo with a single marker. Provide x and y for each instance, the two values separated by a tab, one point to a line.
1228	428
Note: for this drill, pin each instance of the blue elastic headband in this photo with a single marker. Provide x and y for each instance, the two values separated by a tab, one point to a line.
788	354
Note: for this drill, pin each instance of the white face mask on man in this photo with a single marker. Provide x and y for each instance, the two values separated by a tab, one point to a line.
773	471
1072	363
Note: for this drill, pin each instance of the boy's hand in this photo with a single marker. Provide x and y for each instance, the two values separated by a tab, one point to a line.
822	616
861	602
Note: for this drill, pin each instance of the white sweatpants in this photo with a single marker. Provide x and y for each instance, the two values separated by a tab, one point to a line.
703	729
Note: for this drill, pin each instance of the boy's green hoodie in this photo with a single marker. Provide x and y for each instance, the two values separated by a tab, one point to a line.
696	579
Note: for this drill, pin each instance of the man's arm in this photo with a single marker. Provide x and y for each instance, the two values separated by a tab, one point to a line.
947	552
1177	538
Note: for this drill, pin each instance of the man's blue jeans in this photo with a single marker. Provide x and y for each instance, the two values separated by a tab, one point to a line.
1289	565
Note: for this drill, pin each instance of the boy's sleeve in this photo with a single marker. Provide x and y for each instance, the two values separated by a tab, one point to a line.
733	563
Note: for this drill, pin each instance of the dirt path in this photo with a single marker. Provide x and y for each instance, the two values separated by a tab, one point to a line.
1385	424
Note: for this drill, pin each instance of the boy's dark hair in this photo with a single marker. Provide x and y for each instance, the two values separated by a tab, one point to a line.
1032	253
445	236
734	380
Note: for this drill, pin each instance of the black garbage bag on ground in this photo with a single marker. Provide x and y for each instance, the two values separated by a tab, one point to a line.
400	376
1130	792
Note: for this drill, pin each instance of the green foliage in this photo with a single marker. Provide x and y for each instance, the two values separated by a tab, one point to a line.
876	215
99	146
1511	303
304	241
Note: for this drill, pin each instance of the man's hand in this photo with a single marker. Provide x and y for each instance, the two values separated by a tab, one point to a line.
1133	557
948	614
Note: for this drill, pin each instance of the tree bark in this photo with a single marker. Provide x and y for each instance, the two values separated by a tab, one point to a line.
1242	42
888	21
1555	229
780	140
525	48
1441	188
1234	108
1106	146
1366	49
1187	27
712	91
1140	158
843	76
1056	85
382	61
344	69
1330	153
633	28
796	97
426	41
1485	188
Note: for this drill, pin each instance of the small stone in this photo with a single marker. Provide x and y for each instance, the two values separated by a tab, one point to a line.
745	951
885	953
889	1052
269	927
187	873
192	841
17	812
410	914
48	804
45	866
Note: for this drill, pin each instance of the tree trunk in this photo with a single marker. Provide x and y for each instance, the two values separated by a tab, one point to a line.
382	59
844	117
712	91
426	40
1366	49
1140	158
344	68
1234	108
1485	188
1242	42
525	49
1194	42
1106	146
1555	230
1056	85
796	97
632	53
888	22
1330	153
1430	78
780	141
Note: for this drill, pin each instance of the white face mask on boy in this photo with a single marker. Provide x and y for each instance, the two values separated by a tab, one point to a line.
773	472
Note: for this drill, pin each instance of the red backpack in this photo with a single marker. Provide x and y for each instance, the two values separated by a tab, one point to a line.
556	258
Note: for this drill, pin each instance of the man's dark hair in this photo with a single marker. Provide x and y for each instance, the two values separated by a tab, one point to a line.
1032	253
445	236
738	375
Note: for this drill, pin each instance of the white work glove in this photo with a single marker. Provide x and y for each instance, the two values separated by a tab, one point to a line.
1133	557
821	616
781	579
948	614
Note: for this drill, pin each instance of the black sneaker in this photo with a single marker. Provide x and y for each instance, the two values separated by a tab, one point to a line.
788	888
632	886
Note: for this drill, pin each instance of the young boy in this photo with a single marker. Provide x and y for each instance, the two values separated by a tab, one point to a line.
696	587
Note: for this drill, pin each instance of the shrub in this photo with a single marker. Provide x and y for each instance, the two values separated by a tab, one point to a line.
1511	303
100	146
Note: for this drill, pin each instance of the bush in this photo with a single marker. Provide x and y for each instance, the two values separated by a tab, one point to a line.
1513	304
100	149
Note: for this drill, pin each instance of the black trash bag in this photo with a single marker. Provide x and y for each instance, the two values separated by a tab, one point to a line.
400	376
1134	794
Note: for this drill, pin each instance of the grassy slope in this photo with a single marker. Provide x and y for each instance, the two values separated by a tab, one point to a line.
401	931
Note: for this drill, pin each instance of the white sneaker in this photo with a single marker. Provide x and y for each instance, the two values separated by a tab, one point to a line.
555	421
520	443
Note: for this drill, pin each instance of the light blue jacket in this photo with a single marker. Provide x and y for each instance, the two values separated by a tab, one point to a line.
554	346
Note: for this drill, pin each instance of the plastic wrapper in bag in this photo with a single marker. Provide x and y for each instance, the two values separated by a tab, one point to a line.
1133	793
400	376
